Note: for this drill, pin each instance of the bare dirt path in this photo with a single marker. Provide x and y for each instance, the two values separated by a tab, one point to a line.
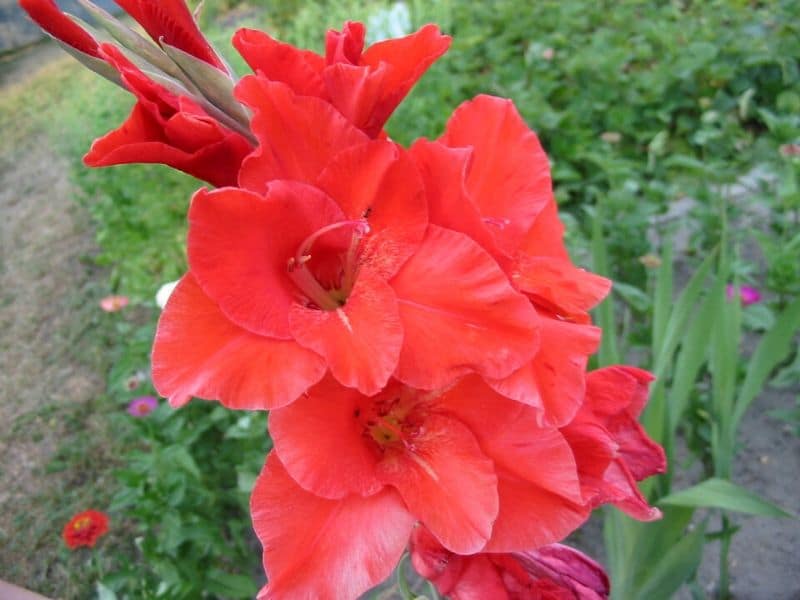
44	238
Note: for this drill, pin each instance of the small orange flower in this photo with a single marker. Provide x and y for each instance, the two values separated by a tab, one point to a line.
85	528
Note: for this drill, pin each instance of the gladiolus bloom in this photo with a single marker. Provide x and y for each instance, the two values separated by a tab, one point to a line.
473	466
552	572
489	178
364	85
85	528
356	283
611	448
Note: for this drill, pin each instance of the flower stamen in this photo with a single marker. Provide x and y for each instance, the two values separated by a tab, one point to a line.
305	280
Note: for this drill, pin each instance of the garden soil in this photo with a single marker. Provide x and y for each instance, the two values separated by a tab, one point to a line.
45	237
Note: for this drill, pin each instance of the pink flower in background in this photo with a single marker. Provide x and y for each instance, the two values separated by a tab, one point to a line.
790	150
747	294
142	406
114	303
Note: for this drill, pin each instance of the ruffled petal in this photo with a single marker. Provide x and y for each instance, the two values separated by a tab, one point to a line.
379	182
509	178
199	352
407	58
530	516
240	244
559	286
444	172
546	235
301	70
298	135
320	548
554	381
617	389
459	314
447	483
361	340
368	87
320	440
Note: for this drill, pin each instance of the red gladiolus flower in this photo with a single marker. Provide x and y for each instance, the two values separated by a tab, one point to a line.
611	448
85	528
552	572
168	129
488	177
470	464
163	127
366	86
355	282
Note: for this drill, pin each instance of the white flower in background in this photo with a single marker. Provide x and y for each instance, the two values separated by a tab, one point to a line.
164	292
391	22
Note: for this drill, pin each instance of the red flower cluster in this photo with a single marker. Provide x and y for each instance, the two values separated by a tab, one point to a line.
410	316
85	528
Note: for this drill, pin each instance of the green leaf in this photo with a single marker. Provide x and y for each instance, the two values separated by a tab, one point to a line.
635	549
690	360
773	348
720	493
633	296
231	586
674	567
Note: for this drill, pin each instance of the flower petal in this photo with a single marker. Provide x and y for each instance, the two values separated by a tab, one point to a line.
459	314
298	135
301	70
199	352
320	440
47	15
320	548
530	516
378	181
444	170
472	577
167	129
567	568
559	286
368	87
508	433
172	21
509	179
240	244
554	381
546	235
361	340
447	483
